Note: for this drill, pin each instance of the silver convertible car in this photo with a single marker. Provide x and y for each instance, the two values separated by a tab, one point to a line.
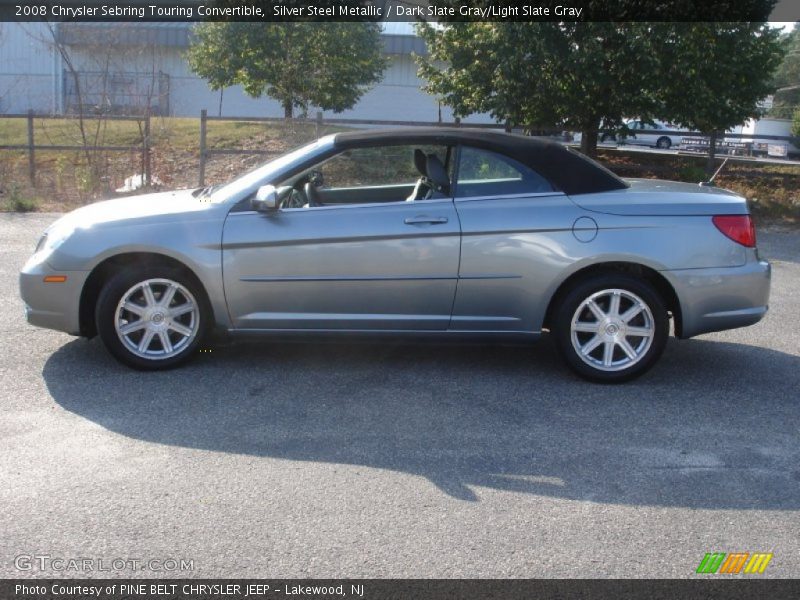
437	232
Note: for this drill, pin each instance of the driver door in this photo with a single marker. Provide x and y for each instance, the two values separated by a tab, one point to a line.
366	259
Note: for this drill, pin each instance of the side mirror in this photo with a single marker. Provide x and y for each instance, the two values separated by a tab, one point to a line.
266	199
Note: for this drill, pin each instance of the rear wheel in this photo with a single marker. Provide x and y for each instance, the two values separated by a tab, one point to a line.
611	328
152	317
664	143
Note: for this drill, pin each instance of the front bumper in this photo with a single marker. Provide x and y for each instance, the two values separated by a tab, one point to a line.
51	305
724	298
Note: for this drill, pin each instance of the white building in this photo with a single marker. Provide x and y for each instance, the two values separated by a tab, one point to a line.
29	69
126	66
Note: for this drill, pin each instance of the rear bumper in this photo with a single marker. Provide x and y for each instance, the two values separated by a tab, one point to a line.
51	305
719	299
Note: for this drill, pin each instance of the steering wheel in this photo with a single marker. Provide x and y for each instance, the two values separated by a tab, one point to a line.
315	182
312	194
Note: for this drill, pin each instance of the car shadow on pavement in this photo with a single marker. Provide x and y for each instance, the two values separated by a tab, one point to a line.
712	426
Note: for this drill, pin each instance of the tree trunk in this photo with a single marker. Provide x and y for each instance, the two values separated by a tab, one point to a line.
287	109
589	142
711	165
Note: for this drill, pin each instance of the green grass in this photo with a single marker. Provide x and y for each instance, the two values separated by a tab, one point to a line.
181	133
67	132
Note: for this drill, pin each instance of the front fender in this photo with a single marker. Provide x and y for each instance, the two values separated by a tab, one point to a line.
195	243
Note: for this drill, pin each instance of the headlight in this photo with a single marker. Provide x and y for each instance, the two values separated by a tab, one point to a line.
41	243
55	236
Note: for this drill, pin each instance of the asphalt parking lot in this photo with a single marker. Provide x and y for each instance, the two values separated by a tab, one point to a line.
392	460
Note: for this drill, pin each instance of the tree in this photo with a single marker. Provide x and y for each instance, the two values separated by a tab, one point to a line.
89	94
566	75
584	75
713	74
796	123
787	77
467	67
604	73
300	64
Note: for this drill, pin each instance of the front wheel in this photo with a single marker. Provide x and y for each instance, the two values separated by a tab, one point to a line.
611	328
152	317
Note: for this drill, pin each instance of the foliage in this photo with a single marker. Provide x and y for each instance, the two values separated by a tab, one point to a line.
787	77
692	173
715	73
584	75
17	201
547	75
300	64
796	123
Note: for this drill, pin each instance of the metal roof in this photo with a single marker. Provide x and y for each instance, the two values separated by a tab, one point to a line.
125	34
398	38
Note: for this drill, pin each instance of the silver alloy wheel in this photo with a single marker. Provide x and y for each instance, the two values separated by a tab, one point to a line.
612	330
157	319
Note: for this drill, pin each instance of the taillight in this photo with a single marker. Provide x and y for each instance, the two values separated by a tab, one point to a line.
739	228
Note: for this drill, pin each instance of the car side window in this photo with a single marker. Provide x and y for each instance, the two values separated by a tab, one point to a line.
368	175
486	173
377	166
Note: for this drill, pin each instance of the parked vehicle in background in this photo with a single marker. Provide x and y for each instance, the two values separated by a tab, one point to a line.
656	134
606	136
762	146
448	233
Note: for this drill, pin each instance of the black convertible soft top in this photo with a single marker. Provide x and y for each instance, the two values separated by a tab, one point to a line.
569	171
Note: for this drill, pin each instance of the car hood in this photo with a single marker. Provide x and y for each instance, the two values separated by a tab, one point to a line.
181	204
664	198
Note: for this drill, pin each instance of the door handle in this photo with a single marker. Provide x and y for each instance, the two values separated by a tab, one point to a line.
425	220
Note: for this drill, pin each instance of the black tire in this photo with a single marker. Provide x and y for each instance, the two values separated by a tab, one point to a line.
664	143
120	284
655	319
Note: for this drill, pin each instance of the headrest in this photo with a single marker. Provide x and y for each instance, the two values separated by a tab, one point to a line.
437	173
419	161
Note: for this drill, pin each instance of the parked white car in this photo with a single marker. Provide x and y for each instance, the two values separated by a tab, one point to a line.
656	134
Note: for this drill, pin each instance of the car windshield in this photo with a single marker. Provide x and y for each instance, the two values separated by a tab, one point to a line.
262	173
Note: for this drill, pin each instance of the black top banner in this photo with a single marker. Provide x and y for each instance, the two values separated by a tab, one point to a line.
391	589
399	10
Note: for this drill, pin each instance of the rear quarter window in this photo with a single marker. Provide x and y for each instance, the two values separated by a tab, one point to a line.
486	173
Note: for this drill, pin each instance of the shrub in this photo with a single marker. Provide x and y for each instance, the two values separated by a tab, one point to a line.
692	174
18	202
